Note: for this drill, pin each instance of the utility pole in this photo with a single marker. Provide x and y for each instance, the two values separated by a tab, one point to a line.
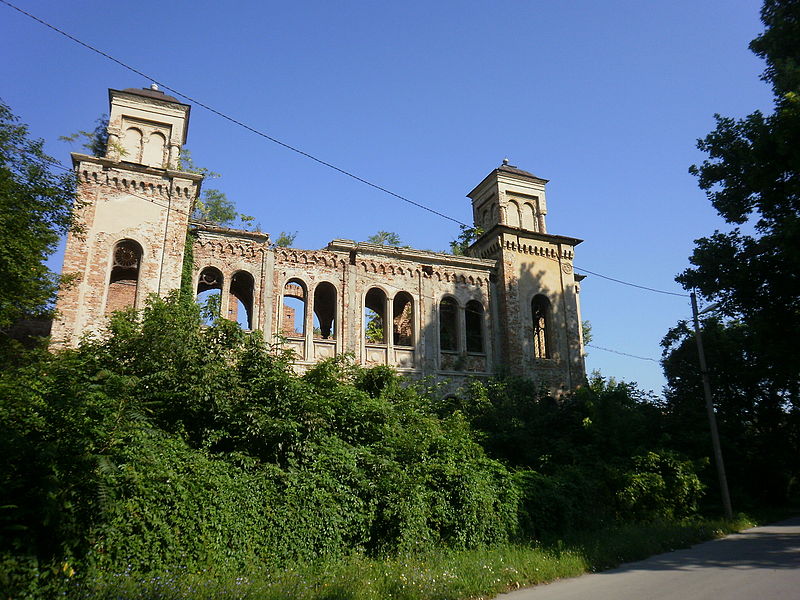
712	419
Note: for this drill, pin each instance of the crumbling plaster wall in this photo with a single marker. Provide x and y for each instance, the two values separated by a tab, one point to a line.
353	270
148	206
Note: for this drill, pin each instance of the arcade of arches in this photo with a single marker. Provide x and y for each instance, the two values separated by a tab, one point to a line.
510	304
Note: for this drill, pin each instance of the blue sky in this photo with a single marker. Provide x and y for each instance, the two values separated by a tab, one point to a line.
604	99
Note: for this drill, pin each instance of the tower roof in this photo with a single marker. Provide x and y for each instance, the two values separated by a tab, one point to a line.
507	169
511	169
151	93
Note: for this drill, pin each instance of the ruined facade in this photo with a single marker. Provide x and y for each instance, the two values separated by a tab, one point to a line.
511	305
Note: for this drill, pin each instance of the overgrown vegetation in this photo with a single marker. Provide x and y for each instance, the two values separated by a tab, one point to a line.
465	239
385	238
752	274
168	447
179	457
285	239
171	445
213	205
35	211
453	574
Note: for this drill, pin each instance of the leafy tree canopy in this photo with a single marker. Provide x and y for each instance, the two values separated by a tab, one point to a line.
285	239
95	141
35	211
465	239
213	205
752	177
758	431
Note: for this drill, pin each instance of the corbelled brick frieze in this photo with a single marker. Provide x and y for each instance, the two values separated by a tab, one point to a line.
511	304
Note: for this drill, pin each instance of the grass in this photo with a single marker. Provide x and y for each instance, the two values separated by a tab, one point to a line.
442	575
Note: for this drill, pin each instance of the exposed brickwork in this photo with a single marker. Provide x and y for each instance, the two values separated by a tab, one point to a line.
512	262
121	295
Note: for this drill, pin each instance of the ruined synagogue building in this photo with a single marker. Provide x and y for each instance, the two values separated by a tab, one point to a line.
511	305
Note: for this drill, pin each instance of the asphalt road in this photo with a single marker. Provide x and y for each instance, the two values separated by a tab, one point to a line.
762	563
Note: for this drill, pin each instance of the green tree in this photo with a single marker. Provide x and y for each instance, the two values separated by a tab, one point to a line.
165	444
285	239
213	205
35	211
465	239
752	177
760	437
95	141
385	238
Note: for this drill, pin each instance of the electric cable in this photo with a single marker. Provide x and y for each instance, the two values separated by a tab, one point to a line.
232	119
55	163
636	285
622	353
306	155
293	148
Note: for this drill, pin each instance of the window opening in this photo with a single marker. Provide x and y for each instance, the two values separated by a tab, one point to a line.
540	309
132	145
241	305
403	322
374	321
448	325
294	309
124	279
325	311
473	317
209	294
153	150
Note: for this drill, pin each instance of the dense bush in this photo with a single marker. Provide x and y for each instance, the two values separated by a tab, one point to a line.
167	444
593	457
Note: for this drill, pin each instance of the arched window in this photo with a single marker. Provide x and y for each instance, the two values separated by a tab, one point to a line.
325	311
528	217
124	279
294	309
448	325
240	307
403	319
132	145
209	293
153	151
540	310
512	214
375	317
473	318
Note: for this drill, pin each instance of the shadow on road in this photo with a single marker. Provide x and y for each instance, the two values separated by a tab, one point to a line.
771	547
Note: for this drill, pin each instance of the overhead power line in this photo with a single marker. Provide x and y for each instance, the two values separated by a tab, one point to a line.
232	119
294	148
636	285
622	353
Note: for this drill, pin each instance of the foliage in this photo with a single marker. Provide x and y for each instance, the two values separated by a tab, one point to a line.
213	205
752	177
187	268
35	211
374	333
385	238
662	484
95	141
285	239
465	239
759	432
166	443
579	459
478	573
586	328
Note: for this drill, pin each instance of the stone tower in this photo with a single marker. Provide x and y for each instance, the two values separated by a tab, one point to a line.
133	205
538	310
